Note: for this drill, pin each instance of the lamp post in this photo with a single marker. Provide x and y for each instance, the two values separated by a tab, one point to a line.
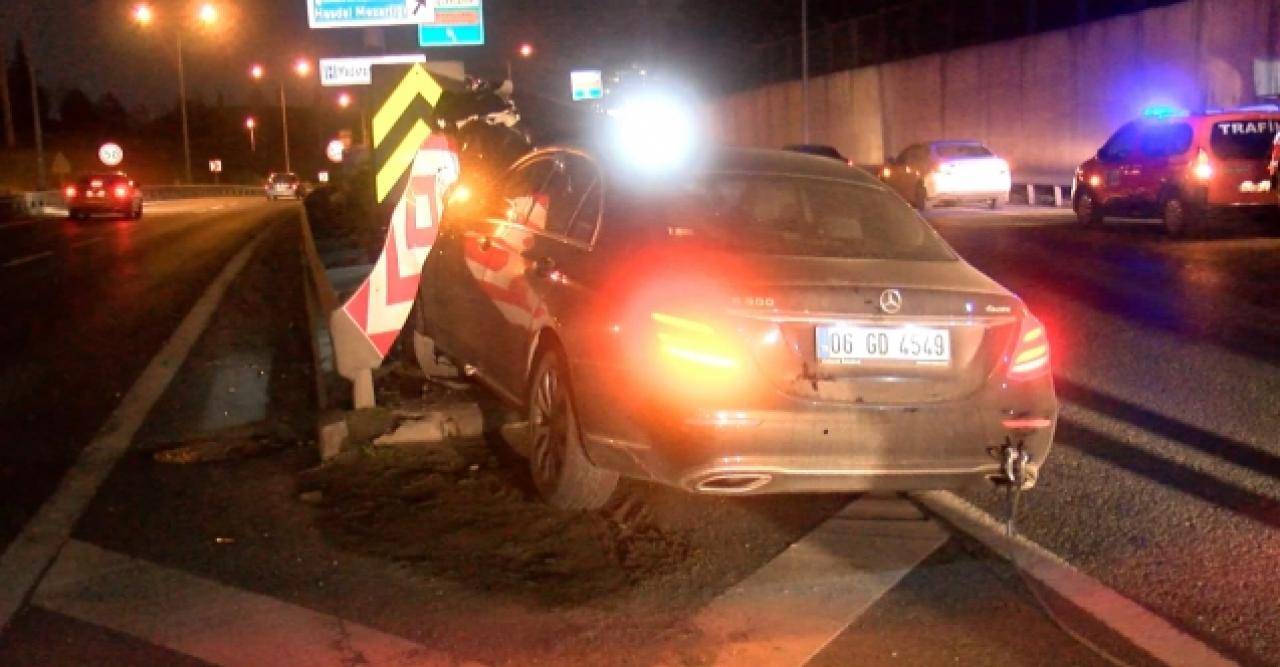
251	124
804	65
344	102
301	67
525	51
206	15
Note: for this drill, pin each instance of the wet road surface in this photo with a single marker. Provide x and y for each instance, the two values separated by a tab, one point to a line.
1163	485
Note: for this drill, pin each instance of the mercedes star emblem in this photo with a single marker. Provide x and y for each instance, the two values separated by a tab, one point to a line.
891	301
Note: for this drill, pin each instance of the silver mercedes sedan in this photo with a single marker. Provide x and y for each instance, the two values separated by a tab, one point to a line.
768	322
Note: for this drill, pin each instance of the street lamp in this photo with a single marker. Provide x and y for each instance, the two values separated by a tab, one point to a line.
525	51
302	67
251	124
207	15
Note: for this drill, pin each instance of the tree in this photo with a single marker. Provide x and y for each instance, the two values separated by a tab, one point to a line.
19	78
113	118
77	112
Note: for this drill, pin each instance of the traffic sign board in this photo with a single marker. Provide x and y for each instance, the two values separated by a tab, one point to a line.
111	154
215	166
359	71
587	84
456	23
366	13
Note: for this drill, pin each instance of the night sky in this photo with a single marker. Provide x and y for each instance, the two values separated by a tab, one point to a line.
94	45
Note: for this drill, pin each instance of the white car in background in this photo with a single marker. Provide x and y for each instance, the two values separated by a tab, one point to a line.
284	185
951	172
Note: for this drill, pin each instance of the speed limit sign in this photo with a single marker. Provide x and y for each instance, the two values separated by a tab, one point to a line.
111	154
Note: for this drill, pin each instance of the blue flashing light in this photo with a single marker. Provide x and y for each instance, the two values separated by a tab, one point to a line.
1163	111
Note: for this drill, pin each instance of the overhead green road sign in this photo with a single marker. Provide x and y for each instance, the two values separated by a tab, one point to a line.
366	13
456	23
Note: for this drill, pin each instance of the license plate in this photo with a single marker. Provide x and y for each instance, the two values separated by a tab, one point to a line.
1260	186
850	344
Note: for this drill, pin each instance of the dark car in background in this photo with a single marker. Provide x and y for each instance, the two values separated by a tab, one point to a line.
949	172
820	150
106	193
773	322
1181	168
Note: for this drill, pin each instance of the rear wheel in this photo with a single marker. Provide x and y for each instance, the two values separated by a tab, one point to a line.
1181	220
921	199
563	475
1088	212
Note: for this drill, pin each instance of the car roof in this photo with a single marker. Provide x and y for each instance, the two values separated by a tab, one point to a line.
103	175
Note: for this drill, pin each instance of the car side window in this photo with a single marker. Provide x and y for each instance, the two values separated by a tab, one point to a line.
1164	140
571	179
1122	145
585	221
521	191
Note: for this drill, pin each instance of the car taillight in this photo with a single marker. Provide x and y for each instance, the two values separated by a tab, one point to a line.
1202	168
70	192
693	343
122	191
1030	356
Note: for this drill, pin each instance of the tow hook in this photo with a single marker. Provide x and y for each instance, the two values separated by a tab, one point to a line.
1013	464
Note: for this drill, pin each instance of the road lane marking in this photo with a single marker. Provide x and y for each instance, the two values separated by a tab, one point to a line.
27	259
1140	626
209	621
30	553
790	609
1230	468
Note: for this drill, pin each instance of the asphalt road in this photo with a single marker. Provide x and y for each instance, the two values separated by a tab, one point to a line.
1165	479
86	305
1163	485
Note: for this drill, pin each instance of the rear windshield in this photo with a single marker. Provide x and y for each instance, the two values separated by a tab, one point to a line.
1244	139
104	179
802	216
284	178
948	151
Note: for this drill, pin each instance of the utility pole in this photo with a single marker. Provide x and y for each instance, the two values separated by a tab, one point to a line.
182	103
804	64
39	130
10	138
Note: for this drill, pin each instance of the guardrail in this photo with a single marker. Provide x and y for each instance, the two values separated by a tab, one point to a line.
51	202
165	192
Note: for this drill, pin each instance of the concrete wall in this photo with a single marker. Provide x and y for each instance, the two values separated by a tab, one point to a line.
1045	102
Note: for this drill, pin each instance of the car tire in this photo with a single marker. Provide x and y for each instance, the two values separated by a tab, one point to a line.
561	472
921	198
1088	212
1181	220
136	214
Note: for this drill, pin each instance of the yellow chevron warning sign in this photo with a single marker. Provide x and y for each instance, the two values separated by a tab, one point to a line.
400	127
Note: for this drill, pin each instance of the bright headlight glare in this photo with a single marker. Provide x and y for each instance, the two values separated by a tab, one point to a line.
655	132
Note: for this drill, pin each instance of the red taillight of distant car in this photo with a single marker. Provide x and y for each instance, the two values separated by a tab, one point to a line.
70	192
1030	357
122	192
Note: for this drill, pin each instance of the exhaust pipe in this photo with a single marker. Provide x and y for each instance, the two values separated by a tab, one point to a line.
742	482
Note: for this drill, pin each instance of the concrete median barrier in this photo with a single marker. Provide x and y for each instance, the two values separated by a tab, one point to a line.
361	294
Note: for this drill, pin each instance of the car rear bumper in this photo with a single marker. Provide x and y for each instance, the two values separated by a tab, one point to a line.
101	206
800	446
